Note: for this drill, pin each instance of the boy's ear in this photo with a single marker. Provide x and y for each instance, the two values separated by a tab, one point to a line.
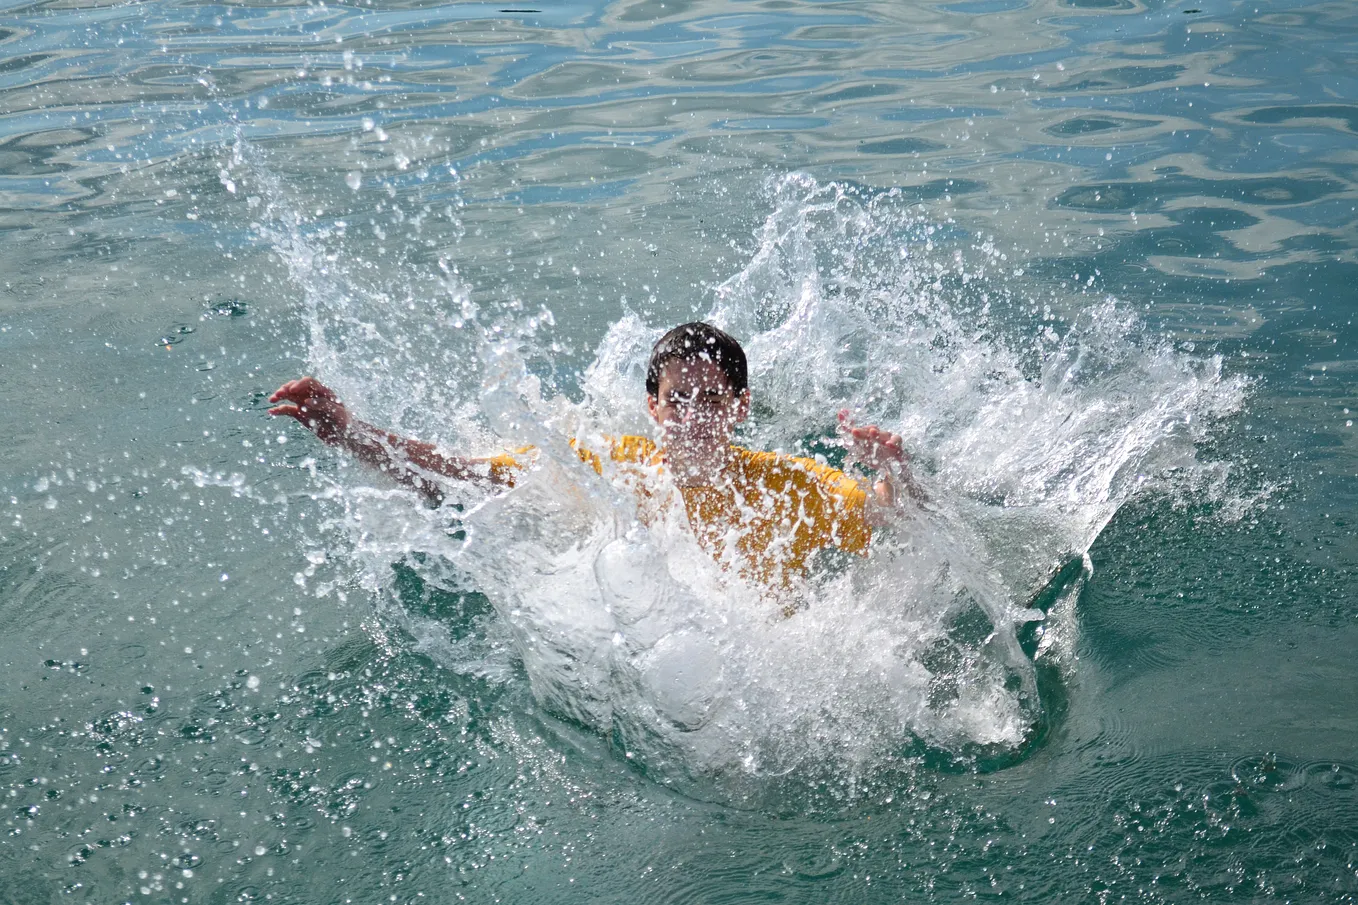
652	406
742	405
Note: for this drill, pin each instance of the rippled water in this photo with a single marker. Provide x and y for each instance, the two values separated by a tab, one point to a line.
1095	259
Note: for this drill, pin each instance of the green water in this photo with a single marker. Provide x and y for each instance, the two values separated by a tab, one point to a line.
219	688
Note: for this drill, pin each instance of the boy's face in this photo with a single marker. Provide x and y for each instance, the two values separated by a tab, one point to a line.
696	408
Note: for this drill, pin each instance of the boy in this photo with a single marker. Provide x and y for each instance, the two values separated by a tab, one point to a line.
762	513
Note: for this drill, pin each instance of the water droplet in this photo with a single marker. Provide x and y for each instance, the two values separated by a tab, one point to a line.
228	308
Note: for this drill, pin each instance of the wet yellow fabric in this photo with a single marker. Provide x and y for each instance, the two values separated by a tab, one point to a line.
766	521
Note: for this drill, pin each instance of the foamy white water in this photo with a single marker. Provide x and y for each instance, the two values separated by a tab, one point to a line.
1027	443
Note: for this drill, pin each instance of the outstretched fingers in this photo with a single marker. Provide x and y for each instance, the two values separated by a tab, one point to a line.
314	405
894	444
294	395
869	444
302	389
289	411
284	392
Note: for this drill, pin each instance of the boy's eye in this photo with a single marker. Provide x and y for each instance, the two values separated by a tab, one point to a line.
707	396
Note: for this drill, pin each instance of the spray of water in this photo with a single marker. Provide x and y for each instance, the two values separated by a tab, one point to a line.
1028	430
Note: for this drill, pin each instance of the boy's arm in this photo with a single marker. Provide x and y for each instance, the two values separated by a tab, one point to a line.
411	462
884	453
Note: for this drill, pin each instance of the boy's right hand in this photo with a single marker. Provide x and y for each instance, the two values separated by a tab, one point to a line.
315	406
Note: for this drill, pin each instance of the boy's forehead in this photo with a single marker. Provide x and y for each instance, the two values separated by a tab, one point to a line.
700	372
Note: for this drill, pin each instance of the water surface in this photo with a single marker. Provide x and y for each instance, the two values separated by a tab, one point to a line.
1094	259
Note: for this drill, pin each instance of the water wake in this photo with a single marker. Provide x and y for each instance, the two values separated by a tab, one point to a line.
1029	429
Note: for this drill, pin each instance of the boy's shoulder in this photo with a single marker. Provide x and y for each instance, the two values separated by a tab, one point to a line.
633	449
782	468
628	449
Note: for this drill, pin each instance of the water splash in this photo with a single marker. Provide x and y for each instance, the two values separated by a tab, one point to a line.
1028	431
1033	428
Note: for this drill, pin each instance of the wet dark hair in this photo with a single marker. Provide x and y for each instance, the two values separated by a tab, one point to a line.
698	342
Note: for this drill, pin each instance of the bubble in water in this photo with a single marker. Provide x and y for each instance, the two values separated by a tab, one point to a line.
229	308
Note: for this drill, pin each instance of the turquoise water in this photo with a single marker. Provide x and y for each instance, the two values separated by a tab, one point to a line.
1095	260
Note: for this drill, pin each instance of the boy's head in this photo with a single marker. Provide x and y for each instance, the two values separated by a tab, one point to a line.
698	342
697	390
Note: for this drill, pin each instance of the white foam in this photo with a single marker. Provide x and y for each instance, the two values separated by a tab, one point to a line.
1027	445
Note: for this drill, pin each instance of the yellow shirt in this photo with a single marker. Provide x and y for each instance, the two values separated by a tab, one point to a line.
778	509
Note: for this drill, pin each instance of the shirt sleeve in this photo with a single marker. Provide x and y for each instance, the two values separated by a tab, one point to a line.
588	456
626	450
505	467
847	507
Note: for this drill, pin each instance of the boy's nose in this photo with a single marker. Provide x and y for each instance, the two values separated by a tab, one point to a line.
696	411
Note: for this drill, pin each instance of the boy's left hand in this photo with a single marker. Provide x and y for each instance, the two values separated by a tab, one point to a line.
871	446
